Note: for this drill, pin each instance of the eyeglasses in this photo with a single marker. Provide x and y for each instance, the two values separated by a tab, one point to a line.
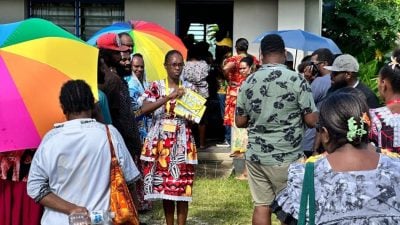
176	64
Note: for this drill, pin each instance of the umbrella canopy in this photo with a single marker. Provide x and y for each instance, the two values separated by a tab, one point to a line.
36	58
151	40
302	40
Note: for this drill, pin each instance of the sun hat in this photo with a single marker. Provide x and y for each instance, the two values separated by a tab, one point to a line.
344	63
111	41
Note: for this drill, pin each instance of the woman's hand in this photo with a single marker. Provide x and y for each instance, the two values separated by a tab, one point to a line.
177	93
181	92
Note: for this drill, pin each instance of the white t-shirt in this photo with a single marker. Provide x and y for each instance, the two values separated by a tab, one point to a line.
73	161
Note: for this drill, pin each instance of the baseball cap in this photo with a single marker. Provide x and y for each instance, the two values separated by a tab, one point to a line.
344	62
225	42
111	41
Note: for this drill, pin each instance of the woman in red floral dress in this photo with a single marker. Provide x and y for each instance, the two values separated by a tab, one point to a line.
235	79
169	152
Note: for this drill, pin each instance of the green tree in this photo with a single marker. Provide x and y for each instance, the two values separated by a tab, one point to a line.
361	27
366	29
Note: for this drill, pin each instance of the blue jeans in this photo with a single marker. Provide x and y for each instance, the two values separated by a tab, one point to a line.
221	98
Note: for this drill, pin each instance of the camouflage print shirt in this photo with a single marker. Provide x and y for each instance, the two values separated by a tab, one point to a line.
275	99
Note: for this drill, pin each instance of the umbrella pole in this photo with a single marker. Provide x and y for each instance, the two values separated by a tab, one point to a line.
295	61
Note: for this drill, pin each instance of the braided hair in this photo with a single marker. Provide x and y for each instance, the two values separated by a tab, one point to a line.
336	112
76	96
391	71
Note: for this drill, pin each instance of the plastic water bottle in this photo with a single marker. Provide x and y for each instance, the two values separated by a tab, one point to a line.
101	217
79	218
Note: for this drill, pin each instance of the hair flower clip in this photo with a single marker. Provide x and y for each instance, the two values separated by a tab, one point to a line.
393	63
365	119
354	131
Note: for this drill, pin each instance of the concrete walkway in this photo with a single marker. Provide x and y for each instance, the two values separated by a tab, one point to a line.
214	162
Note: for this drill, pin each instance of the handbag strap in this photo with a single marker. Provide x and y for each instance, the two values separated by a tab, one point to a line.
307	196
110	142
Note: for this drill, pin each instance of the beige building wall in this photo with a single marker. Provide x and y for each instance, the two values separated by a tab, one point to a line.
291	14
250	17
162	12
253	17
12	10
313	16
300	14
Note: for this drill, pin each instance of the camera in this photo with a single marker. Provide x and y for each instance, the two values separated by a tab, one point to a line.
314	68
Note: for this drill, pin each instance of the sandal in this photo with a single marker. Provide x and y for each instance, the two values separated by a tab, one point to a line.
234	154
241	177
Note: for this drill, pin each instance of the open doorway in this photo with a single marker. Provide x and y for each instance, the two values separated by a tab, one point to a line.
202	18
207	21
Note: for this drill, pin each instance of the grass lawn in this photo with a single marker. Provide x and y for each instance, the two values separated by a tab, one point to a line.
218	201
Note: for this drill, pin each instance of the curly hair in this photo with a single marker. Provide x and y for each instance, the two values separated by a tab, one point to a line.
272	43
76	96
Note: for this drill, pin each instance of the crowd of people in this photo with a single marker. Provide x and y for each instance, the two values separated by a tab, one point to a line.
272	117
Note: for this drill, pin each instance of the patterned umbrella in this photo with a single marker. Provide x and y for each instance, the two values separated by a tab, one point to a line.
151	40
36	58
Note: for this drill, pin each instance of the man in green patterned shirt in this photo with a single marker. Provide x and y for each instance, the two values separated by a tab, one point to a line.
274	104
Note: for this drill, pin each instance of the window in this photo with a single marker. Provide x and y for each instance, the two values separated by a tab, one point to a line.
80	17
204	32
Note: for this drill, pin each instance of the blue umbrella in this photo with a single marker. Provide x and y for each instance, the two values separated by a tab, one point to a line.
302	40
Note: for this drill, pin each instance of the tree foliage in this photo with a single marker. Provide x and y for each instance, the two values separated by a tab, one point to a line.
361	27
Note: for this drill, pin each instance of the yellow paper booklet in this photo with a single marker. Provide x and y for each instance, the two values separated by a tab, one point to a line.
191	104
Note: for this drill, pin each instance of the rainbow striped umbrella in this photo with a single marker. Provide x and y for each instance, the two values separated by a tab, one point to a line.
36	58
151	40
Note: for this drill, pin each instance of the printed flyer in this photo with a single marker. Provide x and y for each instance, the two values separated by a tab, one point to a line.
191	105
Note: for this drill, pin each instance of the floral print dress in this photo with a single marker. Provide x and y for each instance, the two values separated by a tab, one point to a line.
385	129
169	152
235	80
345	198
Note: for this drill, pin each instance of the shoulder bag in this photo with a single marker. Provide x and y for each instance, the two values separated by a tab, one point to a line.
307	200
121	202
